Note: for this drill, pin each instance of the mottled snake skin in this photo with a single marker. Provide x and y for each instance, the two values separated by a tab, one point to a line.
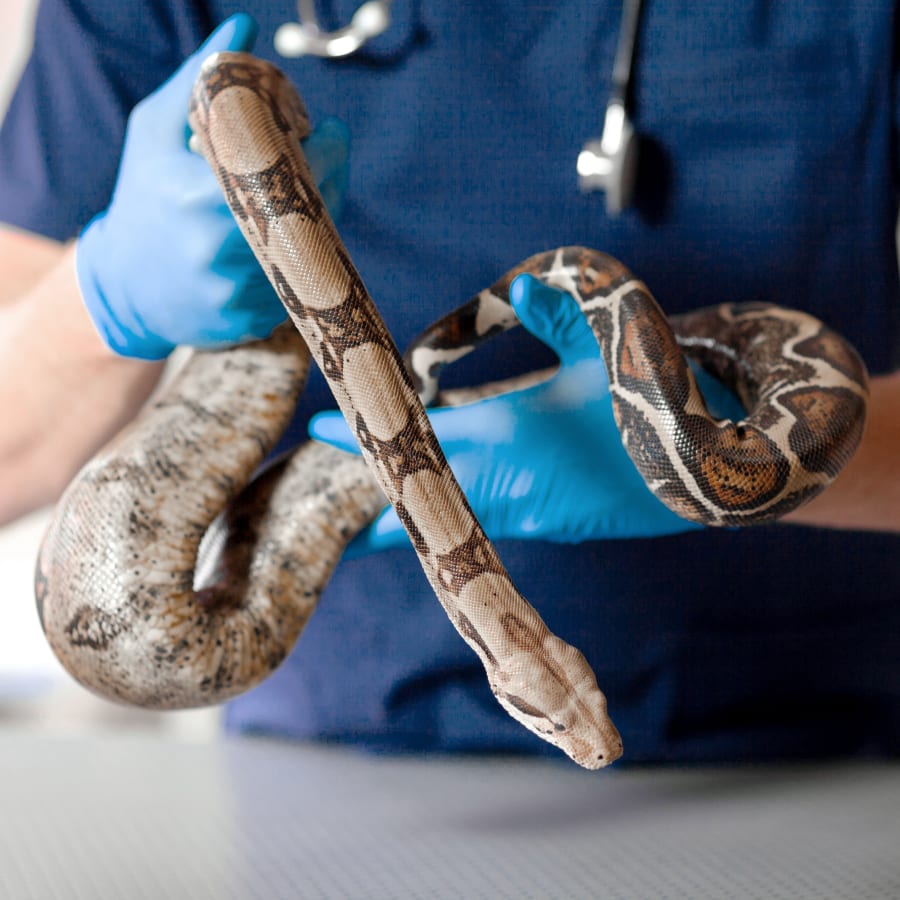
116	582
804	387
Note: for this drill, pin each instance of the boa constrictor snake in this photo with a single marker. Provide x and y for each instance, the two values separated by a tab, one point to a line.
118	595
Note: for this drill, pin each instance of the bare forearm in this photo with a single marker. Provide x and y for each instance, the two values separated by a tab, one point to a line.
25	260
866	495
63	393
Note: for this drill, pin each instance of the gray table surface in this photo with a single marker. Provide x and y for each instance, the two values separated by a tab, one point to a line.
141	816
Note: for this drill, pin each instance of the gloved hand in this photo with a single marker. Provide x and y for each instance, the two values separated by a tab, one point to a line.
546	461
166	264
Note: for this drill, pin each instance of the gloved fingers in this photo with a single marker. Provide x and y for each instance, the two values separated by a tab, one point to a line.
553	317
454	426
332	428
548	313
240	308
327	152
234	258
237	33
241	326
183	183
460	428
212	245
385	532
167	106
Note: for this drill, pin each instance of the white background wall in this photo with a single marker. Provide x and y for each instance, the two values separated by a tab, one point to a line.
16	18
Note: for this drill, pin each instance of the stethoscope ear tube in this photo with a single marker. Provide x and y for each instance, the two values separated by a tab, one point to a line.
609	163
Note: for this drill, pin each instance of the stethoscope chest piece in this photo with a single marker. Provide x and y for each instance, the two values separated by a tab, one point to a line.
609	163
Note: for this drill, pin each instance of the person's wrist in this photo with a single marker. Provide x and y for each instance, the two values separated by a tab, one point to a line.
66	392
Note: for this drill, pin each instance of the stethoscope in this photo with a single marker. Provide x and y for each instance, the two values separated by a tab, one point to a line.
607	163
306	38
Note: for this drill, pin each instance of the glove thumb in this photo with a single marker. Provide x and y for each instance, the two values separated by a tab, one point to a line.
168	105
237	32
554	318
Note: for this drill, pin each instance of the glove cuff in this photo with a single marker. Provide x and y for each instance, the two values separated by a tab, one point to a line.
119	328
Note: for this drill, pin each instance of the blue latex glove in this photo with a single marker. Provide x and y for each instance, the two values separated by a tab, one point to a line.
547	461
166	264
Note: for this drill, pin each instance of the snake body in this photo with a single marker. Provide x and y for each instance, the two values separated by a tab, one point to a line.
117	587
804	387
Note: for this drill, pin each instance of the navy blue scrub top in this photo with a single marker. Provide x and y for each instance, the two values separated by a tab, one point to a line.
769	171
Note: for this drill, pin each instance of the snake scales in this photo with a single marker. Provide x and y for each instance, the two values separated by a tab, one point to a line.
116	584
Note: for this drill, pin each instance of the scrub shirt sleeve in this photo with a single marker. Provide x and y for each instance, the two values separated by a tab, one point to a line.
60	141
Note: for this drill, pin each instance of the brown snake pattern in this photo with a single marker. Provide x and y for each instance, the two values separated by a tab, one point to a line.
804	387
116	582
